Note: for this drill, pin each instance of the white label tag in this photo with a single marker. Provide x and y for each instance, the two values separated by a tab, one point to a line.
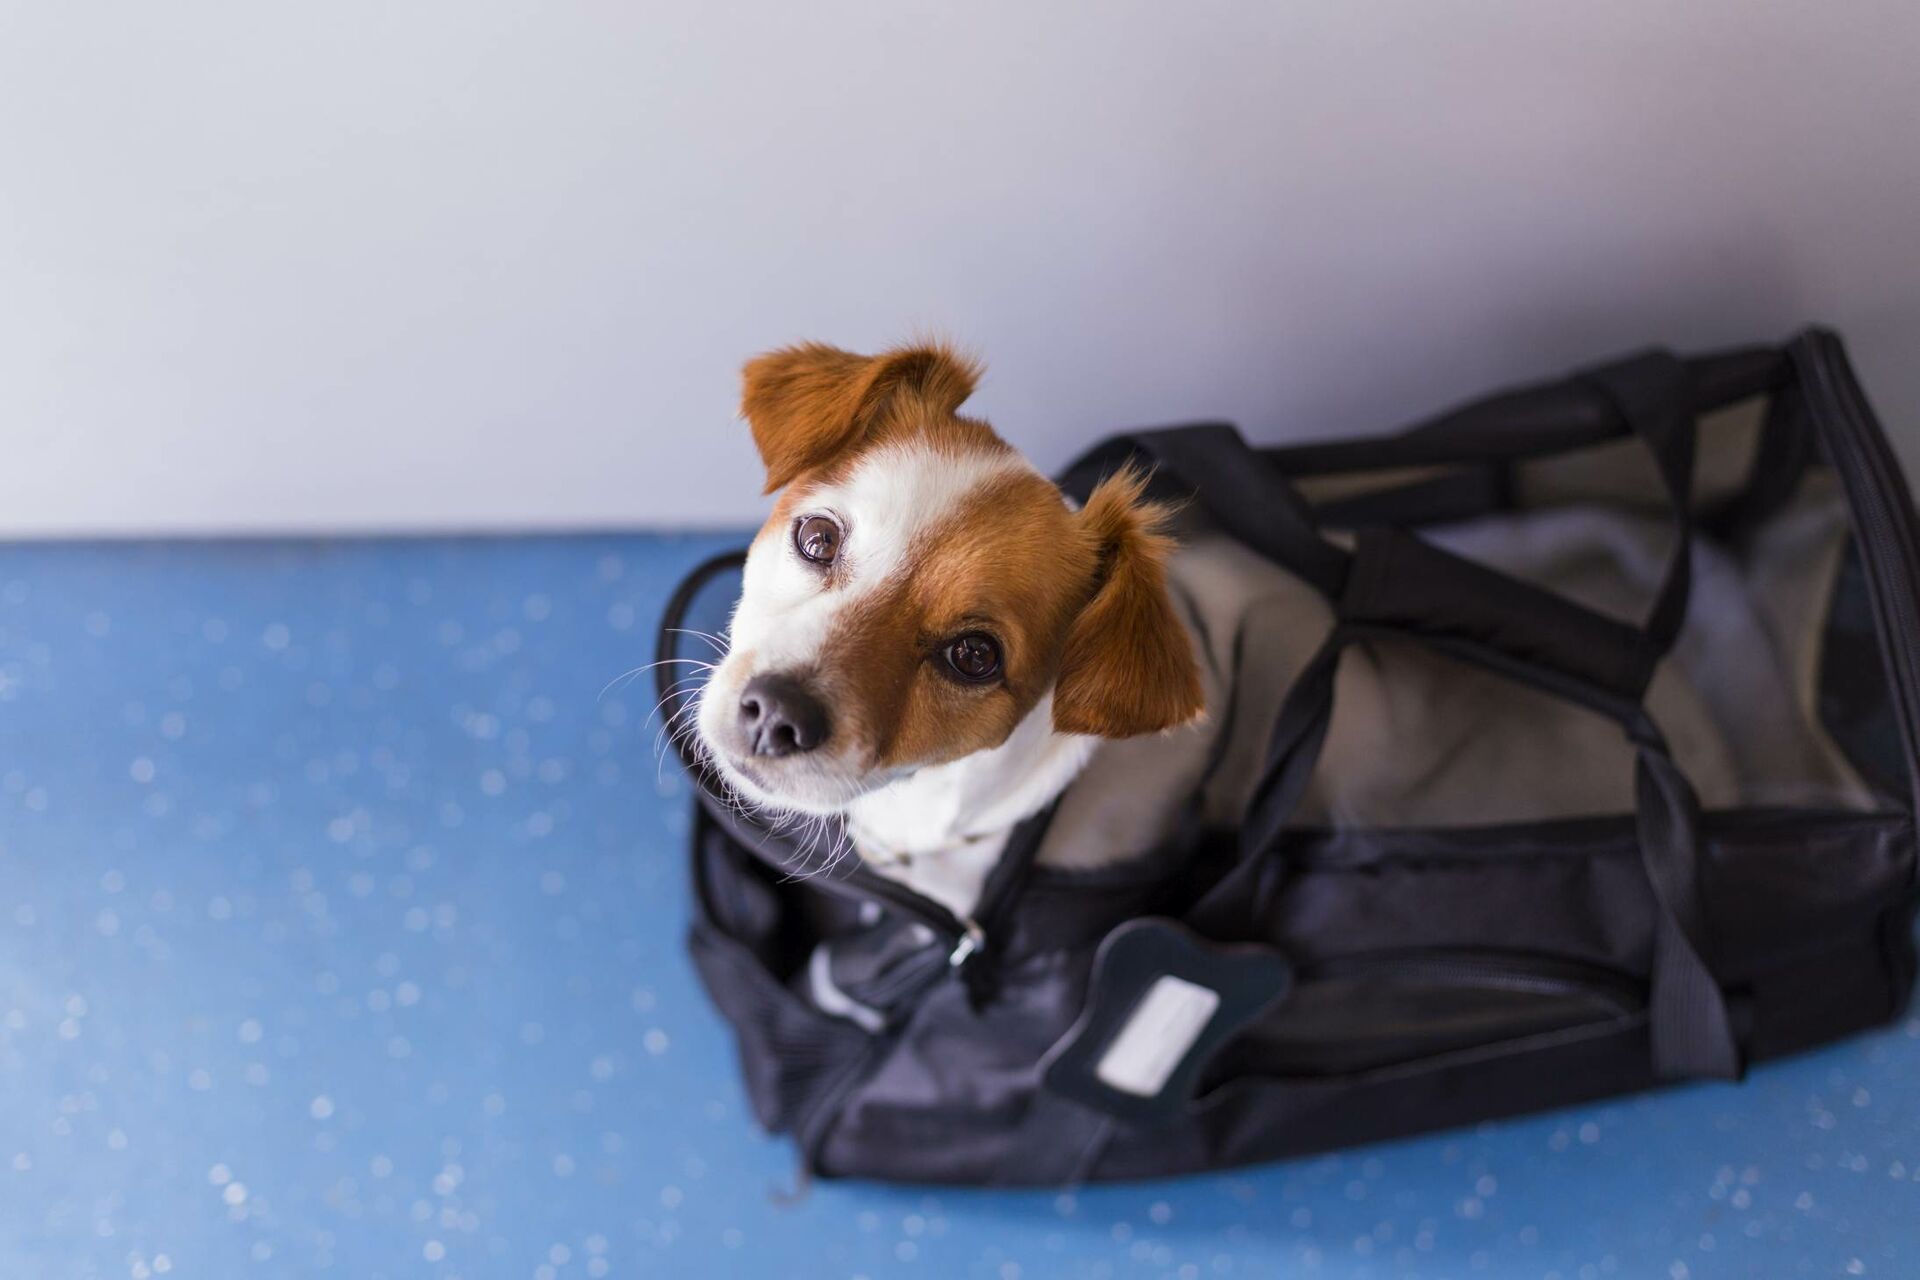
1157	1035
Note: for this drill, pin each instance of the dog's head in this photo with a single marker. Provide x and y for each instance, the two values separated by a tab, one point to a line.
920	588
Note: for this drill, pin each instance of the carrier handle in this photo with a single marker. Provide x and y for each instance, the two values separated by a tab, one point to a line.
1647	395
1246	492
1402	581
1691	1031
1550	417
1649	392
1243	492
666	643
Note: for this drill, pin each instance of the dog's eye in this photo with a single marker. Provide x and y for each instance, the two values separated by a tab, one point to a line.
974	657
818	539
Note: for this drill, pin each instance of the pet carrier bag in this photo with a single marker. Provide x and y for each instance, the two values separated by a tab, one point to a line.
1312	979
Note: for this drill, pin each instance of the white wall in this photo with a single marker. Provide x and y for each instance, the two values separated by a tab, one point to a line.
434	264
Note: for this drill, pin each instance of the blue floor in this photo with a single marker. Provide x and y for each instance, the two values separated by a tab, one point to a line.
340	932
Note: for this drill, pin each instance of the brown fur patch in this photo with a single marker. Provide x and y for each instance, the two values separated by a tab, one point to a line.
1128	667
807	405
1010	560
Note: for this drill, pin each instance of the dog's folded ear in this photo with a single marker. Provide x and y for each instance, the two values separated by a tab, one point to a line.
1128	666
809	404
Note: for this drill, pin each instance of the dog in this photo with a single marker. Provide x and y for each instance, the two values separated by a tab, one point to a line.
930	641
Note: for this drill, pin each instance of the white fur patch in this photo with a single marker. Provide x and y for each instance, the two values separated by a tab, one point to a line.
940	831
897	492
943	805
787	612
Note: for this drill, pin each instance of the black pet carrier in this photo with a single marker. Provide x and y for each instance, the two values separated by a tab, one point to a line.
1316	978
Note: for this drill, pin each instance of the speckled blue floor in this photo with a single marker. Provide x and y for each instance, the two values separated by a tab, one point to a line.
340	931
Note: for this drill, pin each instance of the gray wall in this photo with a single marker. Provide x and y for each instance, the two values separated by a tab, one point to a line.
356	266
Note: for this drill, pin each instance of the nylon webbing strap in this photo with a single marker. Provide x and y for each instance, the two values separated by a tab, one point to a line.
1687	1012
1401	580
666	645
1299	732
1241	490
1691	1033
1650	394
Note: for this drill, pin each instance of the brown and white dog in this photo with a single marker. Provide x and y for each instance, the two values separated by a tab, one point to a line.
930	640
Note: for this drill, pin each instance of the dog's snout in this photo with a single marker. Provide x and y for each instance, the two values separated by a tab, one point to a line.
780	717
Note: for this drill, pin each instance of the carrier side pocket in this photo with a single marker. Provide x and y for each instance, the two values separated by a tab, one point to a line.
1394	1010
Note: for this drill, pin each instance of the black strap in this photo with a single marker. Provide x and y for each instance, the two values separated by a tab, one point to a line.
1400	580
666	642
1781	457
1650	393
1687	1011
1653	396
1547	418
1691	1032
1463	492
1299	733
1210	464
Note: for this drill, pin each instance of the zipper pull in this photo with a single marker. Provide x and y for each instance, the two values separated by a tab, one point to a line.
970	942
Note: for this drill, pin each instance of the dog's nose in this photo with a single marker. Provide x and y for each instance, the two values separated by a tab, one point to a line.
780	717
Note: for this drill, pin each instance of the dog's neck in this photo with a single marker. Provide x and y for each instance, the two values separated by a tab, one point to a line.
940	829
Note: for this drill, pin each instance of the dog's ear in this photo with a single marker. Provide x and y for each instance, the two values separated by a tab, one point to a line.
810	403
1128	666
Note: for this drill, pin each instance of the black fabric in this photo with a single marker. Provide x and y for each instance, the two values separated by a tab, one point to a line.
1650	394
1437	976
1535	422
1212	465
1400	581
1780	461
1460	493
1851	676
1687	1011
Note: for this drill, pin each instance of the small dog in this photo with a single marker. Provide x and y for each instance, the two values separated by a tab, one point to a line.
929	639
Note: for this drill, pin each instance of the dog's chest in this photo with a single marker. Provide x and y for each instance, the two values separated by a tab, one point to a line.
952	876
941	830
918	835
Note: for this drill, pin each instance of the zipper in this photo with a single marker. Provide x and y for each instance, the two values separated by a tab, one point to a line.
858	883
964	938
1529	975
1881	506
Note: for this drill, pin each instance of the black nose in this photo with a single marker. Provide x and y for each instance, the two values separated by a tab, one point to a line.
780	717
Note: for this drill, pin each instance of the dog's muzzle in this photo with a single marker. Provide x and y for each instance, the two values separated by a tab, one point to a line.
779	716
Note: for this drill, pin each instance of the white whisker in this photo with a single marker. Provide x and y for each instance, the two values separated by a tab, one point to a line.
627	677
719	644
